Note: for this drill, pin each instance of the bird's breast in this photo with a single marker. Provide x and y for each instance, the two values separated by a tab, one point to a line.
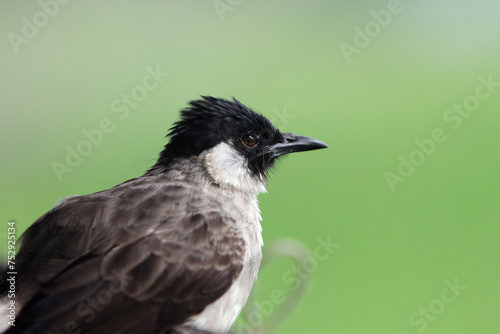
221	314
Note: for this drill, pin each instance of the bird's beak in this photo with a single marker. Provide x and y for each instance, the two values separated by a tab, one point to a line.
294	143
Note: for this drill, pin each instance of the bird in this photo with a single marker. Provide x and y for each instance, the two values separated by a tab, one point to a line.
174	251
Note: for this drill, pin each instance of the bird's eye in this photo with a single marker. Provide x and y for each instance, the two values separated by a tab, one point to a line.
250	140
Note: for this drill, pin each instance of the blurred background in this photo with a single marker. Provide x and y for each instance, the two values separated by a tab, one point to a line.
400	215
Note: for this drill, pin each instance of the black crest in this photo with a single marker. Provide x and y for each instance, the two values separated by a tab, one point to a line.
207	122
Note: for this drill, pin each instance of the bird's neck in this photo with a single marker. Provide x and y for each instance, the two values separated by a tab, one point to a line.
219	166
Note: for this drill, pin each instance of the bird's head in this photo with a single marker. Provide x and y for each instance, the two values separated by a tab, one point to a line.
239	146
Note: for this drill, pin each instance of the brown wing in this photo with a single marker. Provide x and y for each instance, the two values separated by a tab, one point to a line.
140	258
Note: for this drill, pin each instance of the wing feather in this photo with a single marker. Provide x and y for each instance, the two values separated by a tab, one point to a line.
90	268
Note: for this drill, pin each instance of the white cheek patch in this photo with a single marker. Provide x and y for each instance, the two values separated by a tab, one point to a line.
227	166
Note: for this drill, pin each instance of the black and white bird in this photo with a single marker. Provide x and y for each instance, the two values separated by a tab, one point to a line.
174	251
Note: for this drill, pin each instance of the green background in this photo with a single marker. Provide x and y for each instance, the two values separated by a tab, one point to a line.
397	247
